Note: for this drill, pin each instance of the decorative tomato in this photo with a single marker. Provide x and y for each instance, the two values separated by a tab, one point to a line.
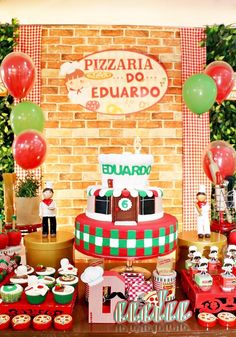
3	240
14	237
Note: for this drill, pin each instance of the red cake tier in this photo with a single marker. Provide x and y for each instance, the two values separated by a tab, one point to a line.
146	240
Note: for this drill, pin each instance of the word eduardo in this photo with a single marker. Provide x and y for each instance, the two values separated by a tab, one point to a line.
117	92
165	311
126	170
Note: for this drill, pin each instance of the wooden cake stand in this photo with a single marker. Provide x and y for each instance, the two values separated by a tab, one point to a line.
190	238
48	251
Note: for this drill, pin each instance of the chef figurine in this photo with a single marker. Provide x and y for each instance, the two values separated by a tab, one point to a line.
203	266
213	254
202	209
213	262
228	280
195	263
203	279
47	211
231	252
189	261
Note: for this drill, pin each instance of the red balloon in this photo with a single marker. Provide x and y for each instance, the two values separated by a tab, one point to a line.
232	237
18	74
223	75
29	149
219	154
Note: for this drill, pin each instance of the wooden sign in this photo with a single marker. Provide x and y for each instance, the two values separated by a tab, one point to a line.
115	82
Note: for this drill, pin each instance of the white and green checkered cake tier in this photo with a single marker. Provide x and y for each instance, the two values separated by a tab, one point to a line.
146	240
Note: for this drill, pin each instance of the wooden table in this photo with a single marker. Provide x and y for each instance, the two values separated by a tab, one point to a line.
82	328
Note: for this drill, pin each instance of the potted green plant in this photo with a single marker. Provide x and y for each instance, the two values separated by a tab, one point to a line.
27	200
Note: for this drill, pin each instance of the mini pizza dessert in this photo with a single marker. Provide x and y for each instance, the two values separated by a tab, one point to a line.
69	280
227	319
63	322
11	293
42	322
151	297
63	294
207	319
21	322
45	271
5	321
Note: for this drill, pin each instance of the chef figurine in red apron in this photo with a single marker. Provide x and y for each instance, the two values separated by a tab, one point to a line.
202	209
47	211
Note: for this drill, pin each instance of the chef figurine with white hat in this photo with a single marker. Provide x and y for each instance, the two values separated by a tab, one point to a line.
47	211
202	208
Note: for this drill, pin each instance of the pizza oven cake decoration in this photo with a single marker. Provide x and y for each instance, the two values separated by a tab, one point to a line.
124	216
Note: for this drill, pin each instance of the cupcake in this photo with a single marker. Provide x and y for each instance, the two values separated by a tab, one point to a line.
44	271
35	291
63	294
67	268
49	281
69	280
11	293
20	276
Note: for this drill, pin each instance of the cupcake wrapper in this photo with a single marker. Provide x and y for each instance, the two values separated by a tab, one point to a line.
11	298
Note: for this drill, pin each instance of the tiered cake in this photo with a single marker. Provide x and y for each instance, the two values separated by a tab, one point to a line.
124	216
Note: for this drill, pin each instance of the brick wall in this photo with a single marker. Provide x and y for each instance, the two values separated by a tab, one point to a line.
75	136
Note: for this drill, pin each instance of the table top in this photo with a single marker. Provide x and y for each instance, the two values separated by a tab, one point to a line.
81	327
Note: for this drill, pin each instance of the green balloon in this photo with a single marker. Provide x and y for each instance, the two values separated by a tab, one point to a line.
26	116
199	93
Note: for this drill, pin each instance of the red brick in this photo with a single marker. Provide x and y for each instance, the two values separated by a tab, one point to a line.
61	32
137	32
112	32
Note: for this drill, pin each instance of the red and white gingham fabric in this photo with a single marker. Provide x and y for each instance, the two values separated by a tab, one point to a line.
196	130
132	278
29	42
137	288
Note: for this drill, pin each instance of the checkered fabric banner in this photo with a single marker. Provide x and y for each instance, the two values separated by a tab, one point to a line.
29	42
98	241
139	288
196	131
